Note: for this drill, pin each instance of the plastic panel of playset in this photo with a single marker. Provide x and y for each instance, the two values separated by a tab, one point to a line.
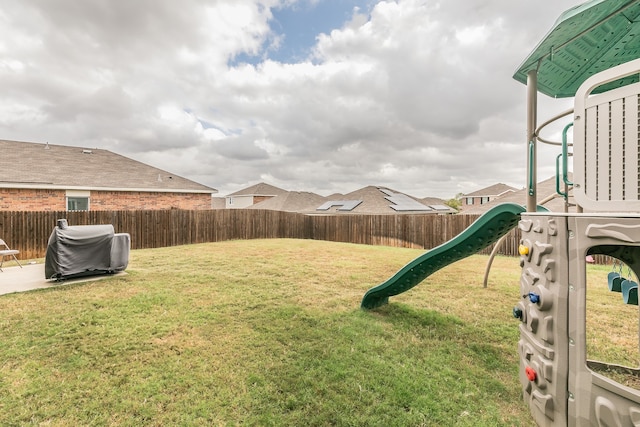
543	348
558	386
595	399
606	140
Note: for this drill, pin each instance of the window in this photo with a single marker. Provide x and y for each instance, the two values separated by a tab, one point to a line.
469	200
484	200
77	203
77	200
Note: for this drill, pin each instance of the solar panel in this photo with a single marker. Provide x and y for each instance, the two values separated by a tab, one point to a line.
402	202
411	207
440	207
344	205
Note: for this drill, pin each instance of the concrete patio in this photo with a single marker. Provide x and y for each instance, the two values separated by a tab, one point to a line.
31	276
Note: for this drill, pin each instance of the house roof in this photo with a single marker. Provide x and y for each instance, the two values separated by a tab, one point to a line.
374	200
492	191
437	204
546	189
259	189
291	201
36	165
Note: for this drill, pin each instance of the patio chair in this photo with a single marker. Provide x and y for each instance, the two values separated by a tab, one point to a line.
5	250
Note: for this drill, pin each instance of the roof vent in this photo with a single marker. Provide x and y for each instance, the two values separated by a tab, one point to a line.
87	152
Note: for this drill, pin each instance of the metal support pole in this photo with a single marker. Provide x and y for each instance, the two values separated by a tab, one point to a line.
532	118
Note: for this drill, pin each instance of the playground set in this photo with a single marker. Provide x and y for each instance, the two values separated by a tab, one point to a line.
592	54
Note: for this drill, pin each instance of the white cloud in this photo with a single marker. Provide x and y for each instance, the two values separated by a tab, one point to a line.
477	35
417	95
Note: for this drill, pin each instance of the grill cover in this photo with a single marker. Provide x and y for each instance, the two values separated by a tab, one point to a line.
85	250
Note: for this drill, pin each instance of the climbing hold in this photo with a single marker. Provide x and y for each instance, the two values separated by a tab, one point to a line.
523	250
533	297
530	373
517	312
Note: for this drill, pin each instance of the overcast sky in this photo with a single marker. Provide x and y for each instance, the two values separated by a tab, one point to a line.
311	95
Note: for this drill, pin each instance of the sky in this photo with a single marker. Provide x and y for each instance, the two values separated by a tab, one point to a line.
326	96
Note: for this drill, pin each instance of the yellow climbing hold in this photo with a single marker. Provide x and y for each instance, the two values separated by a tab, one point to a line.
523	250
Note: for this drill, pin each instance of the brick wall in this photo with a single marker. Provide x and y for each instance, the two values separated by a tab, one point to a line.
55	200
12	199
134	200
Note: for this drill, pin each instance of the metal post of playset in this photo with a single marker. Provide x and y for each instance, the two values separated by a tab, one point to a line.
532	118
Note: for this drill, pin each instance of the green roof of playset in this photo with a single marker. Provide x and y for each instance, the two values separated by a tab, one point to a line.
585	40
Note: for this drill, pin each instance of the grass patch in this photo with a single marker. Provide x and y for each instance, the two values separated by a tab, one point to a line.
265	332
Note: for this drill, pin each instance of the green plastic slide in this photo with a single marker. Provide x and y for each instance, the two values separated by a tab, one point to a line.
486	230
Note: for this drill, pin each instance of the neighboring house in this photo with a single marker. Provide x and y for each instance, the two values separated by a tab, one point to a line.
252	195
368	200
547	197
48	177
291	201
485	195
218	202
377	200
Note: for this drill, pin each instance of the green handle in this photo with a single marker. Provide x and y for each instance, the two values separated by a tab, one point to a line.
560	192
531	153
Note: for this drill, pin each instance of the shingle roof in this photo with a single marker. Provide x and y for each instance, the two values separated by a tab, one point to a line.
35	165
434	201
259	189
377	200
493	190
291	201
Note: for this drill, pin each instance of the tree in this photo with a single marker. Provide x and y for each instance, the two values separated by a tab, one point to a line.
455	202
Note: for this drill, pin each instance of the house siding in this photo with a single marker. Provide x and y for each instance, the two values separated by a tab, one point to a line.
55	200
478	200
238	202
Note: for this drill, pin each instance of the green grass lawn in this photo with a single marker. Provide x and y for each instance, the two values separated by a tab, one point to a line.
265	333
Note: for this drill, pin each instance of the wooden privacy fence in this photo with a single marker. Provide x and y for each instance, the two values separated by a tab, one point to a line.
29	231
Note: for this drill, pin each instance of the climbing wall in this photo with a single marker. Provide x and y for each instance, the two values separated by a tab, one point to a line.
542	311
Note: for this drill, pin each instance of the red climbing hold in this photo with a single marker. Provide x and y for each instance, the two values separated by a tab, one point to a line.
531	374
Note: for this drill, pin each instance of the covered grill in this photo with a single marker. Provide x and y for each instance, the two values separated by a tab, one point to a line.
85	250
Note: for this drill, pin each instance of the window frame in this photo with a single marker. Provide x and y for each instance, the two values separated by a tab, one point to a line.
78	197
